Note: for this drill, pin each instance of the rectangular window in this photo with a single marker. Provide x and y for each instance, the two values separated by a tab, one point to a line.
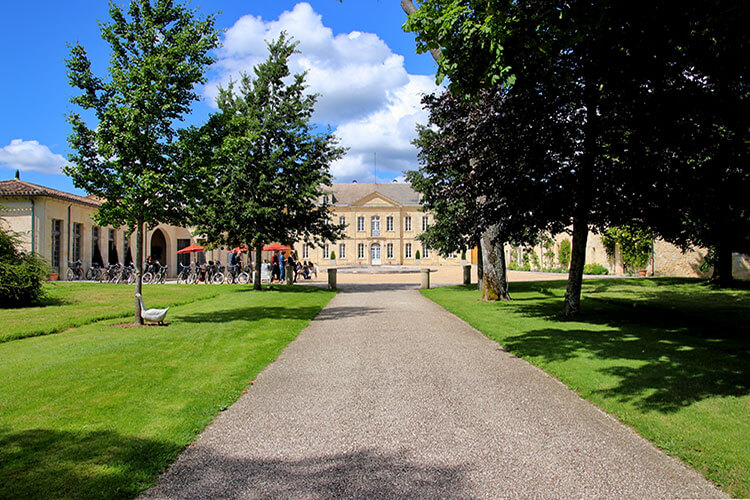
77	238
56	240
407	223
407	251
389	251
128	258
424	223
342	251
326	251
96	254
305	251
360	224
425	251
183	258
342	221
361	251
112	247
389	223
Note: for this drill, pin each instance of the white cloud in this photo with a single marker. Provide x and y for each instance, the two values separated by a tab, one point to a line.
31	156
365	91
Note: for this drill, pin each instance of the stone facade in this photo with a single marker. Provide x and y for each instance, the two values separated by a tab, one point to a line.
382	223
59	226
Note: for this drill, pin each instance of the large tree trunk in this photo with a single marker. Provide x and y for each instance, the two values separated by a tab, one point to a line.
138	270
258	265
480	265
722	274
494	282
572	305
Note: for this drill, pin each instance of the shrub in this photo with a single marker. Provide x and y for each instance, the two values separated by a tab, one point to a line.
463	254
595	269
21	274
513	266
417	256
563	253
634	243
333	255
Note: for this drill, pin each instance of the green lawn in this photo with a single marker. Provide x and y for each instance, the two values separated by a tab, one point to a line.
98	411
667	356
67	304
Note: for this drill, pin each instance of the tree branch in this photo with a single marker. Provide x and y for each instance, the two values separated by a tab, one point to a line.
410	8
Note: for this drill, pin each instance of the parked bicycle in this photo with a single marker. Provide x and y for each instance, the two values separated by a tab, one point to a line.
92	273
237	275
126	275
75	271
155	273
183	274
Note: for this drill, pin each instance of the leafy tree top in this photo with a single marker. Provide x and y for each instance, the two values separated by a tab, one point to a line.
259	169
160	52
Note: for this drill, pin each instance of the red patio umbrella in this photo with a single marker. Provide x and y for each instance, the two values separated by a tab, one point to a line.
190	249
275	246
239	249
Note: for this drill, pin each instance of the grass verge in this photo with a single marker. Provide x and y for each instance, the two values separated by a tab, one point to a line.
67	305
100	410
668	357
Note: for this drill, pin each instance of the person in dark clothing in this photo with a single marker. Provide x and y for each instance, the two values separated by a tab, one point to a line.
275	269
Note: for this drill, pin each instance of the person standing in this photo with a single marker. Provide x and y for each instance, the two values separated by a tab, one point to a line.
282	267
275	266
292	265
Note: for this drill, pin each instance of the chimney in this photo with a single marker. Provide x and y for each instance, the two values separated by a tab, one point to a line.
18	174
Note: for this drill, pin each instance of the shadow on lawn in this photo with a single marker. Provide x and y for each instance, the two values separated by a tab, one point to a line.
250	313
56	464
678	360
360	473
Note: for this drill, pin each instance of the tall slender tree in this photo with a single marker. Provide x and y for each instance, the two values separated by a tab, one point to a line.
259	172
127	157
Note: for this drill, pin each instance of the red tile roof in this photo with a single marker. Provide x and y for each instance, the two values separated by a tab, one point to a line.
17	187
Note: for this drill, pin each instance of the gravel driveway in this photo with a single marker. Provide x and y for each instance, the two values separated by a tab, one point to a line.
387	395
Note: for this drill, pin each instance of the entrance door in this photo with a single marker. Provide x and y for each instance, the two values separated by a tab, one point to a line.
375	254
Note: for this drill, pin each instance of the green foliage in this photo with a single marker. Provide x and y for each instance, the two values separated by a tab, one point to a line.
257	170
333	255
463	254
595	269
21	273
417	255
159	53
634	244
563	253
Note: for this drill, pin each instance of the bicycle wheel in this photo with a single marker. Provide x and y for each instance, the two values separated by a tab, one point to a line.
218	278
243	278
147	277
191	279
89	274
131	278
163	277
71	275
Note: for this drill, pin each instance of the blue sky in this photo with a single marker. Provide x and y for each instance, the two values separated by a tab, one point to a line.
358	58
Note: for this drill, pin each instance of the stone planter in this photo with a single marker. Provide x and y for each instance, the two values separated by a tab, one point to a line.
333	262
417	261
642	273
52	277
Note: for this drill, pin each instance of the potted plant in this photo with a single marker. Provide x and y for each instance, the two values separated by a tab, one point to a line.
417	258
52	277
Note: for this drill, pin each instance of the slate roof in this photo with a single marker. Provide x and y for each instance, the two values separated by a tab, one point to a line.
17	187
346	194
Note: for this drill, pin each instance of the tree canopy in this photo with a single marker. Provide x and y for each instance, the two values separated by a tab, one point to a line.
259	170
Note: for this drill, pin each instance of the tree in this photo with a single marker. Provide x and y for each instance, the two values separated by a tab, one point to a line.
594	68
468	149
258	172
159	54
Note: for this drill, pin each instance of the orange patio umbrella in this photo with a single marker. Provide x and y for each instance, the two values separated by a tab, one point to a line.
190	249
275	246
